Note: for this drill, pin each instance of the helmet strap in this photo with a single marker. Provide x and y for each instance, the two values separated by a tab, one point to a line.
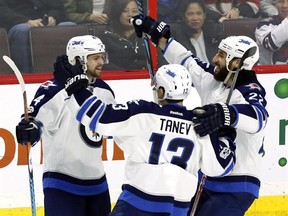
230	72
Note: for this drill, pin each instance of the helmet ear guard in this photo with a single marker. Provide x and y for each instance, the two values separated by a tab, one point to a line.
175	80
82	46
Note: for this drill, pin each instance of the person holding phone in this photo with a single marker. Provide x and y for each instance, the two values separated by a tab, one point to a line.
18	16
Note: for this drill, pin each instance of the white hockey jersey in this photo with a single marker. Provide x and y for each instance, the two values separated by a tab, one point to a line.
163	151
72	153
272	37
249	101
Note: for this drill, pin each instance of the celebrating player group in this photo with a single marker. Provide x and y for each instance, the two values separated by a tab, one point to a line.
169	148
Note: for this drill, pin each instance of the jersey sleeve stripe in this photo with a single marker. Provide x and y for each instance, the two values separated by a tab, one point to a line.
96	117
259	117
84	107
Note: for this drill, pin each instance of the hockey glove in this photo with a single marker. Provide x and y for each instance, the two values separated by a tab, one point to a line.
29	131
62	69
210	118
72	76
153	28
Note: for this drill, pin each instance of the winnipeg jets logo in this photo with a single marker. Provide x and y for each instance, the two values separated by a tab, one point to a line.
91	138
47	84
245	41
253	86
170	73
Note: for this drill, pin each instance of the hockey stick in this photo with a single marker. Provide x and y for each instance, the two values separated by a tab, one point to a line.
147	45
198	195
20	79
251	51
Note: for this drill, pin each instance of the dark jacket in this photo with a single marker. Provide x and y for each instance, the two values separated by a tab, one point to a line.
182	33
124	54
78	10
13	12
168	10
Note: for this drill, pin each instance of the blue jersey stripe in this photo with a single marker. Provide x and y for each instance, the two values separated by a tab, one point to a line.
84	107
153	206
96	117
230	184
75	188
233	187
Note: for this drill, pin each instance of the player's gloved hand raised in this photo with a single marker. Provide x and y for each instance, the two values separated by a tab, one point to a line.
153	28
29	131
210	118
72	76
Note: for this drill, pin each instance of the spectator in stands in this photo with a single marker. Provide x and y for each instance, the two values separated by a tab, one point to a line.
195	32
228	9
267	8
18	16
126	51
272	36
85	11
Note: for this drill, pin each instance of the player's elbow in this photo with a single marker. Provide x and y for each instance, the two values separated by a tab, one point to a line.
253	123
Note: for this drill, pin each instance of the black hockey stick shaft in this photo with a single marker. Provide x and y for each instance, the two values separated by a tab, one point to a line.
198	195
251	51
147	45
20	79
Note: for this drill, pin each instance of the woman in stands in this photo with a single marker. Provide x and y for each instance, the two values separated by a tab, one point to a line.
195	32
126	51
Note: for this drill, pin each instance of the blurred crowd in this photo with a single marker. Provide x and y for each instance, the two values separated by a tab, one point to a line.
197	24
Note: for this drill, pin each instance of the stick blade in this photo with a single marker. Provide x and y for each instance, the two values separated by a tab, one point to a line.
250	52
16	71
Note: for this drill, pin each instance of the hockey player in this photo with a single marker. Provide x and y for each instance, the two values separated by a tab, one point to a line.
232	194
74	180
163	151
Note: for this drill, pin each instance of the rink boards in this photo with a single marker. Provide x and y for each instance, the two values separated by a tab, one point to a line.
14	187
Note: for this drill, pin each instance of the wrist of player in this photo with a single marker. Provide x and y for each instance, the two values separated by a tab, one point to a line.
228	132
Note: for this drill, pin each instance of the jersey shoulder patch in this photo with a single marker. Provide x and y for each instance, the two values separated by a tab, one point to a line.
253	91
49	87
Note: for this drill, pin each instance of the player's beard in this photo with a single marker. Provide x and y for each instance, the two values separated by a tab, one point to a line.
221	74
95	73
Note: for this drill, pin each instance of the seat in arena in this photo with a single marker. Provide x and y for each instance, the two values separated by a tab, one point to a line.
245	26
4	50
49	42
